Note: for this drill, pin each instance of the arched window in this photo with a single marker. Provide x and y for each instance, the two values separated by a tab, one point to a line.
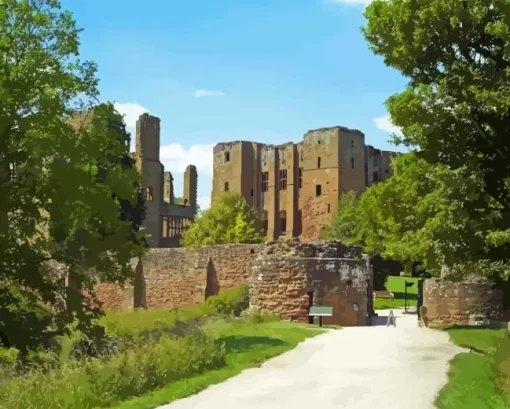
319	162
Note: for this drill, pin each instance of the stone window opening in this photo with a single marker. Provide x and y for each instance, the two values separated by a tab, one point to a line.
149	194
251	193
227	157
300	178
283	223
318	190
265	182
319	162
329	208
376	177
283	179
352	163
226	186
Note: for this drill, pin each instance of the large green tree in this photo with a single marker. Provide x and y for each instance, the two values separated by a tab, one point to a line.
67	192
230	219
418	215
455	109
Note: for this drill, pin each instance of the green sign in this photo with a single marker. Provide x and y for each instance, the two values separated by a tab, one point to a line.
318	311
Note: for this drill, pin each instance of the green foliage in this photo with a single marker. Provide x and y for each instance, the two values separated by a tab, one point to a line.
25	323
102	383
229	220
68	190
230	302
423	213
456	112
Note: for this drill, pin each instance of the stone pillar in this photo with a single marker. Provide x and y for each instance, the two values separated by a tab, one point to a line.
190	186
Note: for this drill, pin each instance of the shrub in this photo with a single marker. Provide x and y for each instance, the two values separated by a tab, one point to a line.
257	316
230	302
100	382
25	323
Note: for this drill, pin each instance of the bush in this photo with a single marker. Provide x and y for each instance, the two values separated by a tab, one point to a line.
257	316
25	323
230	302
101	382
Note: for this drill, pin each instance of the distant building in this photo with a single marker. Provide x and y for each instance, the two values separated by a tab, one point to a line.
165	221
297	186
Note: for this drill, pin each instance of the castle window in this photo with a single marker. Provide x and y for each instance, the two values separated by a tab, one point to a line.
318	190
265	181
283	179
227	157
283	222
352	163
319	162
226	186
300	177
252	193
329	208
148	194
376	177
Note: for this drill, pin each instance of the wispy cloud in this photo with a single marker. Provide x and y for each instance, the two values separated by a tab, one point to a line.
202	92
384	124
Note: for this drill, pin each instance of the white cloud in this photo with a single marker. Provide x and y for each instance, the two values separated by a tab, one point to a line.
384	124
131	112
199	93
176	157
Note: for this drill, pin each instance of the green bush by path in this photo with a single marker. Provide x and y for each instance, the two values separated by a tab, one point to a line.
475	379
246	346
230	302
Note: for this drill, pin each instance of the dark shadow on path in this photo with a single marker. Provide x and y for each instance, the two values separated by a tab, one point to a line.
239	343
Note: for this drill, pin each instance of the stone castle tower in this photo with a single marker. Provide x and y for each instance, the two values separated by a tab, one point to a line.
297	186
164	221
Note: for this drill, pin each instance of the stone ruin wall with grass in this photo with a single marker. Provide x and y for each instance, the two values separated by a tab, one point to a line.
176	277
460	303
286	277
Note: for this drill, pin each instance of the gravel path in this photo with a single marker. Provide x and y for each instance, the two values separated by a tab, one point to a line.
379	367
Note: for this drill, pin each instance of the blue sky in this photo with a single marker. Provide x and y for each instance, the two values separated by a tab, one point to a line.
222	70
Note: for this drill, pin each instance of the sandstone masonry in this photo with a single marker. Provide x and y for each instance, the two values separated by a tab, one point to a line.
297	186
453	303
288	278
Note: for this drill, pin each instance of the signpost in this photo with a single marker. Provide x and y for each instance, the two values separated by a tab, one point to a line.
320	311
407	284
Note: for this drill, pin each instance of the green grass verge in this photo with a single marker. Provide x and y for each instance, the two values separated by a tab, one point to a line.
397	286
247	346
474	380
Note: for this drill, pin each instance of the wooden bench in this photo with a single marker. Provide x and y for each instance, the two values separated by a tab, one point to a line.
384	294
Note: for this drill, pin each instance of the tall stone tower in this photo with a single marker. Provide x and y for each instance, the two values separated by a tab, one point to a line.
190	186
151	169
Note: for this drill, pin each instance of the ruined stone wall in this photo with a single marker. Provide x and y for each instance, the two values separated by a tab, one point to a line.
452	303
287	278
168	278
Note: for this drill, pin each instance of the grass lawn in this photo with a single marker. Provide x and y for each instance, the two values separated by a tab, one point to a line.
396	286
247	346
476	380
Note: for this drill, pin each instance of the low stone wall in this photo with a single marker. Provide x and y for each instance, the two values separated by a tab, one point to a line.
453	303
287	278
176	277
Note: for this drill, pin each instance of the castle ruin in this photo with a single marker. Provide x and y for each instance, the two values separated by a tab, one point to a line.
297	186
165	220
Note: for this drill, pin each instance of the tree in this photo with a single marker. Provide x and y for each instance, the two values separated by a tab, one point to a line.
229	220
418	215
455	109
67	193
